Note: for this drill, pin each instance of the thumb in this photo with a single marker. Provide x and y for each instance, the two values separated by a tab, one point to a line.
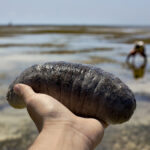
24	91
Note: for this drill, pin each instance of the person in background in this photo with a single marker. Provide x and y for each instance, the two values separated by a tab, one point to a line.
138	71
139	48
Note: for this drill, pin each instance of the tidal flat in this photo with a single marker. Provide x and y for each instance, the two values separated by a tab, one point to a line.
103	46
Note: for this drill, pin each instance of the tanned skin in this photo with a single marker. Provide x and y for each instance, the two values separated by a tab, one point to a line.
59	128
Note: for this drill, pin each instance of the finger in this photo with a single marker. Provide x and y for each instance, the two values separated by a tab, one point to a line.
105	125
24	91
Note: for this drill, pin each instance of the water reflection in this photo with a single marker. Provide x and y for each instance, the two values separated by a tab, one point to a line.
138	71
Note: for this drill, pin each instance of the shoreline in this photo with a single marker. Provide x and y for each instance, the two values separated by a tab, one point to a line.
105	47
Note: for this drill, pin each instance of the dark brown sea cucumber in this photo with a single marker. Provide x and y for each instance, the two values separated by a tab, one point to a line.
86	90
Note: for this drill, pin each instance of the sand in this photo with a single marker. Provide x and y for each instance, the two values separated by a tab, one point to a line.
18	131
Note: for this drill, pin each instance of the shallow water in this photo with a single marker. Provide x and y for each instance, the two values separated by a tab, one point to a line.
104	47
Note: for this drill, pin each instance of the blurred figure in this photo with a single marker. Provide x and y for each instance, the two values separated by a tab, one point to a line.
139	48
138	71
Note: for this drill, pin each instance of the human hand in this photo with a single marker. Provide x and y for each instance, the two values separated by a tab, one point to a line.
52	119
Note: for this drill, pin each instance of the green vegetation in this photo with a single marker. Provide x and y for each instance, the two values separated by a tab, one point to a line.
97	60
62	52
145	40
31	45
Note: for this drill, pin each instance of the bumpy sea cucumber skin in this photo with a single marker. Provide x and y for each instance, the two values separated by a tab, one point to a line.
86	90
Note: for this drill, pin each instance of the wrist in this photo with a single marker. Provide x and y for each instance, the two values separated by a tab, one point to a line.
67	134
77	133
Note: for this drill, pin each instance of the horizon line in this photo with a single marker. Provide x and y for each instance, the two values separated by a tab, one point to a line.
72	24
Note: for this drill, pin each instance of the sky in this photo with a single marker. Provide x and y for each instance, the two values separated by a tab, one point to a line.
74	12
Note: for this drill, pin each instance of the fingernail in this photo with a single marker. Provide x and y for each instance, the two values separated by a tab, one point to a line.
17	89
